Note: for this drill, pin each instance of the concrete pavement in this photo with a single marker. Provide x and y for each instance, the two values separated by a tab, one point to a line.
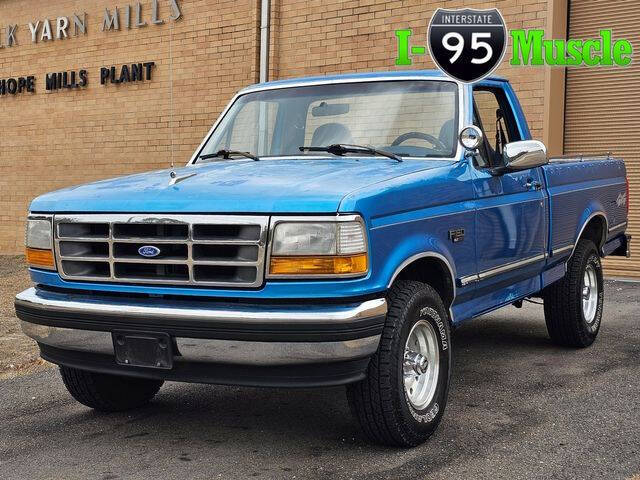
520	407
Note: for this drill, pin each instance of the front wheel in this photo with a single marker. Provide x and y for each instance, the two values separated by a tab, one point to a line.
108	393
402	400
573	305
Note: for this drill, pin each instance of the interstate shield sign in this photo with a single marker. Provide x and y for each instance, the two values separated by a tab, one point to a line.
467	44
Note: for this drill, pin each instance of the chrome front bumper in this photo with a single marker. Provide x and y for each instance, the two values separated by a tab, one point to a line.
207	332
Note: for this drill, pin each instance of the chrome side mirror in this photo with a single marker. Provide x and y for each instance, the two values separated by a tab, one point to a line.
470	138
524	155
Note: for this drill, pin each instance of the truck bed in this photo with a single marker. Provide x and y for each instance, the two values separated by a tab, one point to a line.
580	188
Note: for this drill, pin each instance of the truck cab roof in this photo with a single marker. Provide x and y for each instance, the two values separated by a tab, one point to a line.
400	74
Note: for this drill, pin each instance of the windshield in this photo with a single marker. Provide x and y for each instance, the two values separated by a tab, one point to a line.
408	118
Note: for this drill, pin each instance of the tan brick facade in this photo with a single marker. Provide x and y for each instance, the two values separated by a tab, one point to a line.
51	140
320	36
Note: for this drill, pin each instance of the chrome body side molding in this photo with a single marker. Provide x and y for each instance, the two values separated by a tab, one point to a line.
560	250
617	227
501	269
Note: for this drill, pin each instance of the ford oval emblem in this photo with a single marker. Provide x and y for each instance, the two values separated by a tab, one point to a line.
149	251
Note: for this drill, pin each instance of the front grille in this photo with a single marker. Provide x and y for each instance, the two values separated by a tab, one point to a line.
208	250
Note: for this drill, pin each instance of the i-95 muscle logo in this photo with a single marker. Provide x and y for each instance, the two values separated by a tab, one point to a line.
467	44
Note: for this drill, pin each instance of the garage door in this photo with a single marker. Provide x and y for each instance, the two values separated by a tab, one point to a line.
603	106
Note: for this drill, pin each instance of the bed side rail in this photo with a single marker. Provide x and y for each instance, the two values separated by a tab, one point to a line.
581	157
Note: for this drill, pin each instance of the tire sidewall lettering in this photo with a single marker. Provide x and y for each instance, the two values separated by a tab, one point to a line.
429	416
594	260
427	313
431	411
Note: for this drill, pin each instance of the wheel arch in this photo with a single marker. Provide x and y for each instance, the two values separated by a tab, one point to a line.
433	269
594	228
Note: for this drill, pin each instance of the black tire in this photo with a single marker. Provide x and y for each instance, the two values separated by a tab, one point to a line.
563	312
379	402
108	393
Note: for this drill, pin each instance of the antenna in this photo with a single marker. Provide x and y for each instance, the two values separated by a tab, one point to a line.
171	125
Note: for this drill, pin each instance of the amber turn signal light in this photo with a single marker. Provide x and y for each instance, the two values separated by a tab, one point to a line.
40	258
326	265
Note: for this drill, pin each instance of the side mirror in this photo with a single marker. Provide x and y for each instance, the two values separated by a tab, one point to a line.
524	155
470	138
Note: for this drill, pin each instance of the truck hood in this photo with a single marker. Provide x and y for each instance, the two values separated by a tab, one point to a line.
293	185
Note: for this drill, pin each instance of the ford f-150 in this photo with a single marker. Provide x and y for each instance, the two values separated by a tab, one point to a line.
327	231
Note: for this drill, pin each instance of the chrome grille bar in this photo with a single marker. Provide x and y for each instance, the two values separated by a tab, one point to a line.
231	252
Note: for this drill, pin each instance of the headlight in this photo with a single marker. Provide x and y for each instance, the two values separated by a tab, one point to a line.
311	247
38	243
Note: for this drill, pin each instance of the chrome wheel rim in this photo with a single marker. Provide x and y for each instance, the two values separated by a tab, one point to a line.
590	294
421	365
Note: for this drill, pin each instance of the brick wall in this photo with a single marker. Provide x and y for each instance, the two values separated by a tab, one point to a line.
52	140
312	37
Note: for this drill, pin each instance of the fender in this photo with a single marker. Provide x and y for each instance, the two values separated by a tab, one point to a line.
415	248
594	209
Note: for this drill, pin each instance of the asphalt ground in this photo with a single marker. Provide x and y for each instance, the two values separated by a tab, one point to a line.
18	353
519	407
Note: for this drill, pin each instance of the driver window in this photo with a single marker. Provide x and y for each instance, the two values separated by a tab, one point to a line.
481	158
493	114
420	123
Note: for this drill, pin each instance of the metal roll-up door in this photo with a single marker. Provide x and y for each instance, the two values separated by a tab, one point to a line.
602	110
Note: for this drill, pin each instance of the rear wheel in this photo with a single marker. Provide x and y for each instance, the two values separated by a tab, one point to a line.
573	305
108	393
403	398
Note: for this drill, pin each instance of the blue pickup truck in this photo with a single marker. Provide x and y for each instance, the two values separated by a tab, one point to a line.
327	231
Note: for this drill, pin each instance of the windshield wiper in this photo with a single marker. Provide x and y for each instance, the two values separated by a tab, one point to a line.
344	148
226	154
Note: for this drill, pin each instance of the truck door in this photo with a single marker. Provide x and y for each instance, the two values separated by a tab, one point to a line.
511	226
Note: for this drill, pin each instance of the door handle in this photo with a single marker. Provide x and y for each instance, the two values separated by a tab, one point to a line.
533	185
